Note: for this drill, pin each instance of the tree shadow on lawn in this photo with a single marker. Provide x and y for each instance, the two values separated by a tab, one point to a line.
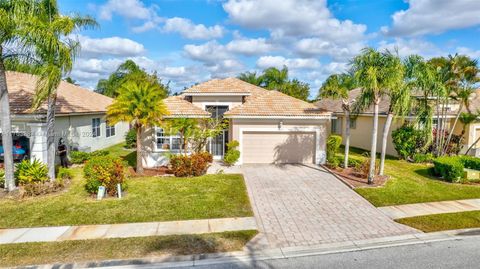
131	159
427	173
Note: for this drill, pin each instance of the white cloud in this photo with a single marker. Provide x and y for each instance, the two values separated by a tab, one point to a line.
468	51
110	46
192	31
411	46
318	46
293	18
434	16
249	47
279	61
132	9
209	52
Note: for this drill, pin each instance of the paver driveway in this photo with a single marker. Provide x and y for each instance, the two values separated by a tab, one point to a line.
297	205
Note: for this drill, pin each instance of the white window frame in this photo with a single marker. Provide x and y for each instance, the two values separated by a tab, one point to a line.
170	139
109	129
96	132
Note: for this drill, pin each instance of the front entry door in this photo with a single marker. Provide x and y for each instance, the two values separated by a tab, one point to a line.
217	145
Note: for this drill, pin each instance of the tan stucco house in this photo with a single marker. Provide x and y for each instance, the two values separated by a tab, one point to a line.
271	127
80	118
362	125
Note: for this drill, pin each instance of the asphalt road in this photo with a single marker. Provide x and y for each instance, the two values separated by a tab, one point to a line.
463	253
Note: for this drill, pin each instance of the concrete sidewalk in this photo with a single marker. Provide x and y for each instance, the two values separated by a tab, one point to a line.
83	232
421	209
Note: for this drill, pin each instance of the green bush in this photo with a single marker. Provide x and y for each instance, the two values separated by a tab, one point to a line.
423	158
352	162
449	168
333	144
104	171
131	138
64	173
2	178
233	154
27	172
407	141
192	165
470	162
80	157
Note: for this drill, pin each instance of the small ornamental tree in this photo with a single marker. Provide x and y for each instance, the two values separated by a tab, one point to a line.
333	144
233	154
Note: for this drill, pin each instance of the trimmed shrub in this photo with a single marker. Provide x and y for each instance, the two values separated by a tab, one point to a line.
423	158
64	173
131	138
449	168
192	165
233	154
104	171
27	172
2	178
333	144
470	162
407	140
80	157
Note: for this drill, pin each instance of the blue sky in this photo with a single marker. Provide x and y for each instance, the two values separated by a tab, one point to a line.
192	41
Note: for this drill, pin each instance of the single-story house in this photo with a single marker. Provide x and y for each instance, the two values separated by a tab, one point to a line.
271	127
80	118
361	126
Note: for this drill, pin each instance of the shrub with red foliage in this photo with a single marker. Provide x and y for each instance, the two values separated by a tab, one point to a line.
192	165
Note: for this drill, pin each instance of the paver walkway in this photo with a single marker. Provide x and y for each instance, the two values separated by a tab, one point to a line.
421	209
298	205
61	233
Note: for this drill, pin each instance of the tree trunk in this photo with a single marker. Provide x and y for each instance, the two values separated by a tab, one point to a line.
386	130
347	137
445	148
373	151
6	129
437	138
51	136
139	169
471	146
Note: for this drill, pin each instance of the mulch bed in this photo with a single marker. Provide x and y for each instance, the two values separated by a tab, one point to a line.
151	172
353	179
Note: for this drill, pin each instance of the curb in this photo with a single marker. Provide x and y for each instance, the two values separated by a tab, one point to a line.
248	256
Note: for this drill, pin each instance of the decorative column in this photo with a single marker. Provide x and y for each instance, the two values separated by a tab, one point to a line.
38	141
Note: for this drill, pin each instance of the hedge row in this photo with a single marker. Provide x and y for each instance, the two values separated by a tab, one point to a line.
452	168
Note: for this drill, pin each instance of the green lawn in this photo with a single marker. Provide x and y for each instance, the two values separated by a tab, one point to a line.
411	183
120	151
121	248
440	222
147	199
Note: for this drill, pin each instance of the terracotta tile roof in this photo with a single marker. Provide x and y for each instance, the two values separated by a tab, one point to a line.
179	107
274	103
227	86
335	106
70	98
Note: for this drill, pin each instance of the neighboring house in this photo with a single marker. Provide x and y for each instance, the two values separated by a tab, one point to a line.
270	126
80	118
362	125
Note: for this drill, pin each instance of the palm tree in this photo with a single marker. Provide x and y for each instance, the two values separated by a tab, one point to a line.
463	76
376	73
185	128
251	77
141	105
275	79
14	14
337	87
56	52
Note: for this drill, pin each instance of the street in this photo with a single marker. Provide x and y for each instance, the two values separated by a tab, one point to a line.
441	254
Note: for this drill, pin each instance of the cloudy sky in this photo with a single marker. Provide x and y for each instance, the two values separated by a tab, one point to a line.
192	41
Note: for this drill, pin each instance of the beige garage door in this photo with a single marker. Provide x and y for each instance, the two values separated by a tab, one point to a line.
276	147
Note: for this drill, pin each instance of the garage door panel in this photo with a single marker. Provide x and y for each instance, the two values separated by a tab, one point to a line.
278	147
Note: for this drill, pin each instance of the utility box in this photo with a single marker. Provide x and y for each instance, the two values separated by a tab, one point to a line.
471	174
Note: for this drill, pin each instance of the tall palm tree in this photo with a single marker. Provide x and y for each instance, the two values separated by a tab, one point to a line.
376	73
275	79
141	105
337	86
14	14
56	52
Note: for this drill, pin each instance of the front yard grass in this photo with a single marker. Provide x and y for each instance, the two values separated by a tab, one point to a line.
411	183
441	222
121	248
147	199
